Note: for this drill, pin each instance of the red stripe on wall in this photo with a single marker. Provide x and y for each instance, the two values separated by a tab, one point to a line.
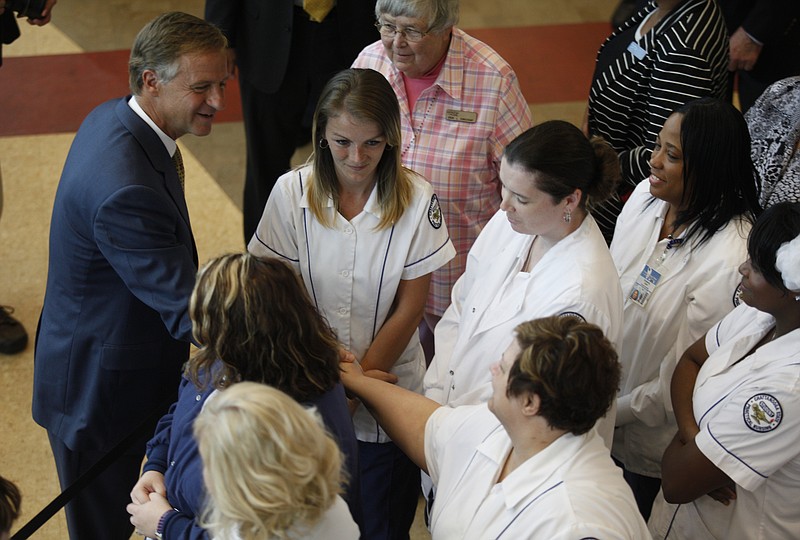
53	94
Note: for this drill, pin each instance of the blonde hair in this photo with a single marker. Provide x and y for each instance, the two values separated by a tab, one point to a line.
366	95
268	463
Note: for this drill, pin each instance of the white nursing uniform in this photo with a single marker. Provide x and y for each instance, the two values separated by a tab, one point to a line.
748	408
335	524
569	490
576	276
696	289
352	270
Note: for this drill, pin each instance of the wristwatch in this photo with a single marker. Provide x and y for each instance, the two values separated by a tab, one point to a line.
161	522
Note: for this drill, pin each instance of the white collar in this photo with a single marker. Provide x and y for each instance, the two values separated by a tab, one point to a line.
169	143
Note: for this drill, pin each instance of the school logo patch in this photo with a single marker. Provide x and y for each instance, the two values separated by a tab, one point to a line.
762	413
435	212
737	295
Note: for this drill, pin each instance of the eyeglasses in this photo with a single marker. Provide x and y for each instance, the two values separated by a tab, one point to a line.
389	31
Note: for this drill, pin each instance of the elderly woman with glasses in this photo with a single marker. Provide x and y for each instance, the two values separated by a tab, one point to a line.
460	106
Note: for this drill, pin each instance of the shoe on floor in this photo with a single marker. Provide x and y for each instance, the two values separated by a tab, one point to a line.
13	337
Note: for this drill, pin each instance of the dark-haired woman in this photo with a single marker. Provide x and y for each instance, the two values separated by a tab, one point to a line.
677	246
736	393
255	323
541	255
669	53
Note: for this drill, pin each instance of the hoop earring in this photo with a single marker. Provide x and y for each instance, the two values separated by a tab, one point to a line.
567	215
323	143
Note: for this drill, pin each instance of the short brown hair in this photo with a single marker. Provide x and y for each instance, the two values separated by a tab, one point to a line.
571	366
161	43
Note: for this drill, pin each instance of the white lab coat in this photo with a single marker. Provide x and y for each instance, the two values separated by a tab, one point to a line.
696	290
335	524
352	270
493	296
748	409
569	490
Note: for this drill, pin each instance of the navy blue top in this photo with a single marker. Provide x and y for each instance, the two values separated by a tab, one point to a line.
173	452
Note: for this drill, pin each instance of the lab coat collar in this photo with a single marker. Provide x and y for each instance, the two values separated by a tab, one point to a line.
372	205
538	474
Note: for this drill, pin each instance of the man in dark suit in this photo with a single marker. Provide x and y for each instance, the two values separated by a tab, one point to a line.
114	330
764	45
285	57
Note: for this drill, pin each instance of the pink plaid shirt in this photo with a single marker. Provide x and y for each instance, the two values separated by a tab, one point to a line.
455	138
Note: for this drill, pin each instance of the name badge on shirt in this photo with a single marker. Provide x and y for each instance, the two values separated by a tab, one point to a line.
645	285
652	272
636	50
461	116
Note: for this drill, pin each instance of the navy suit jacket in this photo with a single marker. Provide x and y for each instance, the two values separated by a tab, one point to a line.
114	329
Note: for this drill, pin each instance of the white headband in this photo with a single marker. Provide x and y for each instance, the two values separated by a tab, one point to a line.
787	262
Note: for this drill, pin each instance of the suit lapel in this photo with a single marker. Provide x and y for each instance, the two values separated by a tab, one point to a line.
160	160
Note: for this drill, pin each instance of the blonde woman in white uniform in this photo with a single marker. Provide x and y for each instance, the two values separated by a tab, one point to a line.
541	254
527	464
736	393
270	469
678	243
365	235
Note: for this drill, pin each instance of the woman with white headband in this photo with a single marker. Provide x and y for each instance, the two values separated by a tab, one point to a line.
736	395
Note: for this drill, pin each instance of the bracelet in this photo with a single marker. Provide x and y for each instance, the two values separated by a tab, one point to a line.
161	522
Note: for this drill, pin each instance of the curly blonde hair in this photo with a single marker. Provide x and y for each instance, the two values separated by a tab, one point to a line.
268	464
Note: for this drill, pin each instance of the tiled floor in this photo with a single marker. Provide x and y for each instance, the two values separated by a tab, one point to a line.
52	76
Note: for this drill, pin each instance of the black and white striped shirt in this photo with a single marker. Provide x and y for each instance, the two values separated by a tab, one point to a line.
635	88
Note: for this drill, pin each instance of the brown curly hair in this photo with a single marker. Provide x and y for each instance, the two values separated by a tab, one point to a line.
255	316
571	366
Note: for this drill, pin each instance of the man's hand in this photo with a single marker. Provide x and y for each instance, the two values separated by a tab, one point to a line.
46	13
744	51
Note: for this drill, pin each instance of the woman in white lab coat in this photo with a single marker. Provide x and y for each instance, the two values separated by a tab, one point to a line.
364	234
527	464
677	246
541	254
270	468
736	393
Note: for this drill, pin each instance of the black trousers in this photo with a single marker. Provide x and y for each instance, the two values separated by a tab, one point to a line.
277	123
390	489
98	511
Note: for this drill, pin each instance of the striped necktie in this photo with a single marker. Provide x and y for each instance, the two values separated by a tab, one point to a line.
317	9
177	159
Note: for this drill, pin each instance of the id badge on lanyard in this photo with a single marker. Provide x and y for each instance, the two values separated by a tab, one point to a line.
651	275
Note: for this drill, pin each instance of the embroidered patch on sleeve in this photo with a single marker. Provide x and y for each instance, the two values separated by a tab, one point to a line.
435	212
737	295
762	413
